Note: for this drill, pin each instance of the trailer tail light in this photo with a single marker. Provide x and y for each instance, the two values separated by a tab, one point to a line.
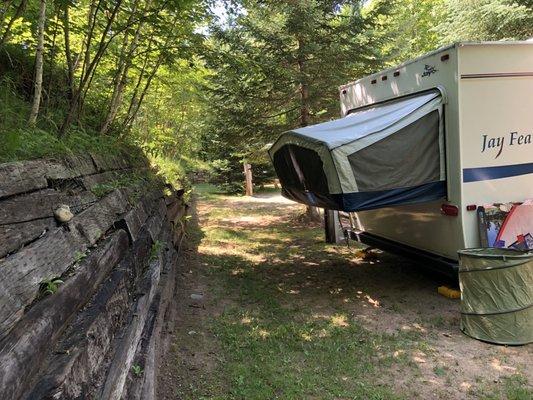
450	210
373	81
471	207
396	73
384	78
445	57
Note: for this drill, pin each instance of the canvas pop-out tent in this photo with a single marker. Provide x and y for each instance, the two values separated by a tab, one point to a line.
377	156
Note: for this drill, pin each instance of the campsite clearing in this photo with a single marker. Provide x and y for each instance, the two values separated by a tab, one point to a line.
265	309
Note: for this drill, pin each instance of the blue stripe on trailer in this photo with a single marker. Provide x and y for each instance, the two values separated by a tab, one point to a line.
361	201
488	173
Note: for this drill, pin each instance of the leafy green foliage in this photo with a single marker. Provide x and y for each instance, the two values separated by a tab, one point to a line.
130	180
409	30
79	256
137	370
415	27
485	20
110	80
50	286
157	246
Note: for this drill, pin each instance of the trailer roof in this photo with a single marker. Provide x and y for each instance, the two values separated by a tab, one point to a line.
439	50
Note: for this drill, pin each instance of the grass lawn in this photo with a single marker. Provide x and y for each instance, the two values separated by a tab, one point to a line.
286	316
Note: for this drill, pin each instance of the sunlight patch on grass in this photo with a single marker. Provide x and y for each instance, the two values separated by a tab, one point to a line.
339	321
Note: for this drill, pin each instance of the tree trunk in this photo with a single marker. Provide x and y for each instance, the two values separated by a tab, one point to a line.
68	53
135	105
133	97
7	31
311	212
90	65
51	62
121	77
38	86
135	102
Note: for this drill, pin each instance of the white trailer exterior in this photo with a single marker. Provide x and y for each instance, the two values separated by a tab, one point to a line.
488	125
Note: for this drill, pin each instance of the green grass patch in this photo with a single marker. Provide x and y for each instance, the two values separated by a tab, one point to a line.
291	326
26	144
277	357
514	387
272	347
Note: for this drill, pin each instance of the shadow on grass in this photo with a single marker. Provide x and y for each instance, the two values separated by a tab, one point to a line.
302	319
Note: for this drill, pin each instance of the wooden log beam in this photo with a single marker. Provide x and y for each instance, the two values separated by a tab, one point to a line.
19	177
22	177
91	181
134	384
75	367
22	273
156	220
49	257
96	220
155	347
109	162
149	346
122	361
141	252
14	236
70	167
133	221
41	204
248	180
23	351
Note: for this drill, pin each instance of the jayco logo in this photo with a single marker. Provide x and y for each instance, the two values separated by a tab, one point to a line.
498	143
428	70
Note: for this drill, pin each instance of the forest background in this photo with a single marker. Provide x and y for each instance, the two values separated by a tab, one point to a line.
201	86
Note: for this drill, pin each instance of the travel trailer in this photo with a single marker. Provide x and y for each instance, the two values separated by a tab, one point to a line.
420	147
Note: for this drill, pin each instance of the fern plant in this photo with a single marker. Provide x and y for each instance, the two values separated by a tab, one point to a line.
50	286
136	369
156	248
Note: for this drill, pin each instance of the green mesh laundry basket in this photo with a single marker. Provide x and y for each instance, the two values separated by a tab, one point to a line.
497	295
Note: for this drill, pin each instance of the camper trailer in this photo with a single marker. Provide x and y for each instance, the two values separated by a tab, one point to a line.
420	147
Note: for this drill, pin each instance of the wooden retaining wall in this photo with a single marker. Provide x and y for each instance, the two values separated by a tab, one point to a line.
96	336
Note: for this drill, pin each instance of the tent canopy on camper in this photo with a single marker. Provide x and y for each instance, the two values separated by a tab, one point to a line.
377	156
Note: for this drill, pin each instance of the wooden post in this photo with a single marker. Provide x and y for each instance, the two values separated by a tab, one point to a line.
332	227
248	179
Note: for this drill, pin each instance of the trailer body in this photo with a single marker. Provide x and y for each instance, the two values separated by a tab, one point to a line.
487	93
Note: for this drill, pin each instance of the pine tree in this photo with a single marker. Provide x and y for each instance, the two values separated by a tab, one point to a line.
279	64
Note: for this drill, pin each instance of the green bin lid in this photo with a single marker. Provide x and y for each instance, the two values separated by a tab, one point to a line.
493	252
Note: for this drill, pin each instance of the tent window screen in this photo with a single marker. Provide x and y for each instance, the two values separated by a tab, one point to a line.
298	167
409	157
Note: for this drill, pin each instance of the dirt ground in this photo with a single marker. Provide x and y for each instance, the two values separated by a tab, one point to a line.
252	275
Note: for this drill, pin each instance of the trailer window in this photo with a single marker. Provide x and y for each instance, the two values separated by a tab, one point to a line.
409	157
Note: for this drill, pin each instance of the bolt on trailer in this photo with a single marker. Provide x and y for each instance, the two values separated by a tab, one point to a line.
420	147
